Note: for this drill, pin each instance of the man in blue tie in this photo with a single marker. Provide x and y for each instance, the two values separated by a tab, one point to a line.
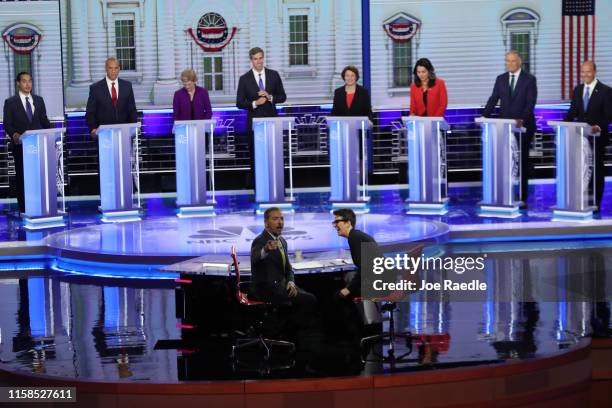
259	90
516	91
23	112
592	103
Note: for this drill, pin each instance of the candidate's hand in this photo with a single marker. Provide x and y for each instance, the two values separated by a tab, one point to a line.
292	290
261	100
595	129
94	133
16	138
271	245
345	292
519	123
264	94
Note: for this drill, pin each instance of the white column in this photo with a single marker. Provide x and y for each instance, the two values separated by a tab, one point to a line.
80	46
165	41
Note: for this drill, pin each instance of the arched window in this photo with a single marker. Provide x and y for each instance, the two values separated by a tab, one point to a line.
520	27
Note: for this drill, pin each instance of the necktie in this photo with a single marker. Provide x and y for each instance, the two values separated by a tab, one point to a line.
114	94
282	252
511	84
29	109
261	84
585	99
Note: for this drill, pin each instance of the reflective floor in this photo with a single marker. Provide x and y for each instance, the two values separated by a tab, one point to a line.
126	330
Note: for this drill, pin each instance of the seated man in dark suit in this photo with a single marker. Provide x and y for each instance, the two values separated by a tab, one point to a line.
517	92
23	112
592	103
272	275
259	90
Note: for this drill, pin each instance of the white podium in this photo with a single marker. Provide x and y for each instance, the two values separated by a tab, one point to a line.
116	183
346	134
270	164
427	179
501	167
41	150
575	170
191	180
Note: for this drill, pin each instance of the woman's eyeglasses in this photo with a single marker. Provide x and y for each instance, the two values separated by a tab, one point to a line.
335	222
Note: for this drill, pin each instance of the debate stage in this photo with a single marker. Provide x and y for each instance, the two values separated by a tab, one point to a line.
105	307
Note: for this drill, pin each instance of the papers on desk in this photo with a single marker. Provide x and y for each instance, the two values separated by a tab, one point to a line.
307	265
321	264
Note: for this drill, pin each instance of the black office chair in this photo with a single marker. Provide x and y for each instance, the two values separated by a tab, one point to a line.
263	310
388	304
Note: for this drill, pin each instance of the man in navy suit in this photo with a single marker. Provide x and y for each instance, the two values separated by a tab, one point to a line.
592	103
517	92
23	112
111	100
259	90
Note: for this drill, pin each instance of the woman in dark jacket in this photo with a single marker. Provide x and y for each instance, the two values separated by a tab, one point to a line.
351	99
191	102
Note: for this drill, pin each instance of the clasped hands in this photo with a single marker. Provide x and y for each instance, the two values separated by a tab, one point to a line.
263	98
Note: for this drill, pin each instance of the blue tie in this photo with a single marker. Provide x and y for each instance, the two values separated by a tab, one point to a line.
29	109
585	99
261	85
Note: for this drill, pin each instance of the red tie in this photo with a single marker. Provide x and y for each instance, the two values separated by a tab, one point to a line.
114	94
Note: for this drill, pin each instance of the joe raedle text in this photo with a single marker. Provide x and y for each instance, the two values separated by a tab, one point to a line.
446	284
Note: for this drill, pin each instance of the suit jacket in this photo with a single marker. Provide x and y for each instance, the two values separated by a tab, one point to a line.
599	111
181	105
247	94
268	274
361	106
437	99
518	106
100	109
16	120
355	239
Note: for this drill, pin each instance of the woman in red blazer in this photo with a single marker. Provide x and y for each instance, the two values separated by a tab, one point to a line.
427	93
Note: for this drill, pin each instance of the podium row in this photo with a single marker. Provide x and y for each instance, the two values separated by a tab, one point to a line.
426	145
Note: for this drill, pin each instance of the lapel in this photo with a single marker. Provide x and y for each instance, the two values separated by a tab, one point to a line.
106	92
594	97
21	108
519	82
255	79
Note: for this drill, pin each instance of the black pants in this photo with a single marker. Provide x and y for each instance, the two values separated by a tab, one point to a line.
17	152
348	321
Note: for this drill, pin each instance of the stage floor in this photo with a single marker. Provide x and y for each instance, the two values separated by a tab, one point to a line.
94	328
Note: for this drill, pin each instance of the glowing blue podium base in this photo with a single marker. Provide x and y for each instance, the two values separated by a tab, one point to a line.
37	223
358	207
121	216
512	211
420	208
287	207
572	215
196	211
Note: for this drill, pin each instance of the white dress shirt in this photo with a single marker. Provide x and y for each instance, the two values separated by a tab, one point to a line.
516	76
110	87
263	79
22	96
591	88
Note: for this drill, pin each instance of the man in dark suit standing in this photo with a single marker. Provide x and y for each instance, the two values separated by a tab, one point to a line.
259	90
111	100
517	92
592	103
23	112
272	275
